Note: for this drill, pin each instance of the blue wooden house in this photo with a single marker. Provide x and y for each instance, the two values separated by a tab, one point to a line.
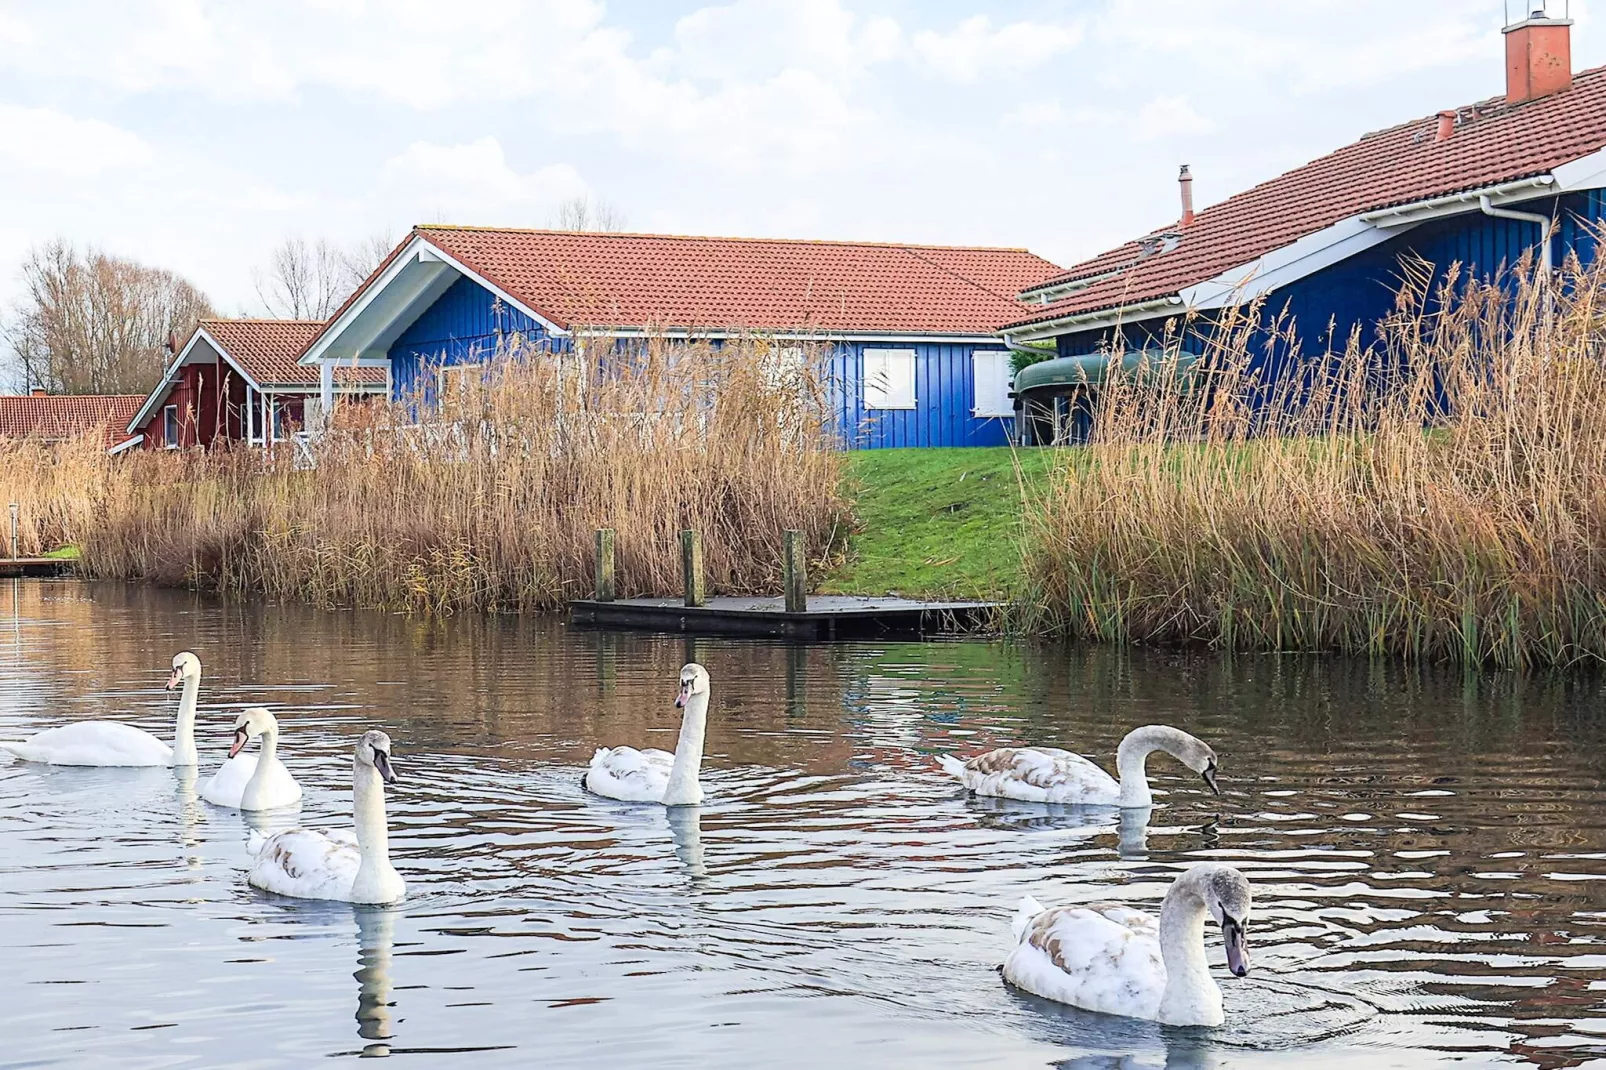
909	331
1327	244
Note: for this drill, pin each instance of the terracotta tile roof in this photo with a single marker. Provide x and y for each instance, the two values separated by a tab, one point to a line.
588	279
266	350
58	416
1493	142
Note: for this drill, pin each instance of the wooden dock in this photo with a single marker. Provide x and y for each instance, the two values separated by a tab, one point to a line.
12	567
825	617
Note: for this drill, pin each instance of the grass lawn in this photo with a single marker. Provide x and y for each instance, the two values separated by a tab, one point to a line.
65	553
936	522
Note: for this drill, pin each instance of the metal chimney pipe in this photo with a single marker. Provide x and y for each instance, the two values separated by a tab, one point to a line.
1185	181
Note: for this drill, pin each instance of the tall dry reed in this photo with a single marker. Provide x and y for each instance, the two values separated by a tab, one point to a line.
1439	494
491	497
54	485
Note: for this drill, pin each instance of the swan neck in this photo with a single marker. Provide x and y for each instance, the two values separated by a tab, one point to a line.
1191	995
684	787
368	812
184	730
1131	759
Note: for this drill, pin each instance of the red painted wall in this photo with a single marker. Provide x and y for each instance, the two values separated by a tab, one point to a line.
209	398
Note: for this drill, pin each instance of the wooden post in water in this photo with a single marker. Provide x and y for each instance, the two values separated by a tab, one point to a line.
14	553
794	573
691	567
605	583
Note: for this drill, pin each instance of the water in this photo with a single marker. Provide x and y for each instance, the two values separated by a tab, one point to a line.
1428	851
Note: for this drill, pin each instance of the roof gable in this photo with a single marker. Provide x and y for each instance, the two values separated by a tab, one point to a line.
1493	142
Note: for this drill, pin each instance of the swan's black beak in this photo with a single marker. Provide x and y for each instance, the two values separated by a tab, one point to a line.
241	738
685	693
1232	932
382	763
1210	778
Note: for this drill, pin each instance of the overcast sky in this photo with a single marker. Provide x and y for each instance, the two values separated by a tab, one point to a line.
196	134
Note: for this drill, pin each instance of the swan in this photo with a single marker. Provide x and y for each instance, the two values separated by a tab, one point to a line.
653	775
340	866
1110	958
270	784
115	743
1046	774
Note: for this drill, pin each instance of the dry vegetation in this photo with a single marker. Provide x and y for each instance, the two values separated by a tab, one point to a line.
1441	495
492	501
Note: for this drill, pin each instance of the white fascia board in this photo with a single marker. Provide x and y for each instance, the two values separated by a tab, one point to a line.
1308	255
340	325
435	252
1092	321
788	336
185	356
1586	172
126	444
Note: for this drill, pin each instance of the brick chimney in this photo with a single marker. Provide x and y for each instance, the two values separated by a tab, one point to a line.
38	392
1539	56
1185	181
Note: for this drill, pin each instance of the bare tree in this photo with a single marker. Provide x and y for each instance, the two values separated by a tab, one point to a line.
309	281
91	323
583	213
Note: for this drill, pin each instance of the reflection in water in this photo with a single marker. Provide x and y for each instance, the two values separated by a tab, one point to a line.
376	929
1428	850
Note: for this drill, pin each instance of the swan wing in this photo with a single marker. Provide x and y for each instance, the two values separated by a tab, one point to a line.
1101	957
226	786
1039	774
306	864
93	743
629	774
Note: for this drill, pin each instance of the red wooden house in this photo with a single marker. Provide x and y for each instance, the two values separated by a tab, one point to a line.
238	380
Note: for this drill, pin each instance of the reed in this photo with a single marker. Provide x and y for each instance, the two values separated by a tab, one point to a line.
490	498
1439	494
54	485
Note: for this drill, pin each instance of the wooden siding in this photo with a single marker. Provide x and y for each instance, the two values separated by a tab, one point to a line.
465	325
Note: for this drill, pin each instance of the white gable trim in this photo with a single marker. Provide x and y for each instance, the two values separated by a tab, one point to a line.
170	377
418	250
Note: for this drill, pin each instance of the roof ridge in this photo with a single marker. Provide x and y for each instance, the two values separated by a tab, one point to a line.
262	319
843	242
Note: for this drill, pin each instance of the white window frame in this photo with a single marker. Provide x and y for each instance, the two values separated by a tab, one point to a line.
448	372
998	360
170	428
881	389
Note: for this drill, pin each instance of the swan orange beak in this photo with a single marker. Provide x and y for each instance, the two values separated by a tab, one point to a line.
175	679
1232	932
240	740
685	693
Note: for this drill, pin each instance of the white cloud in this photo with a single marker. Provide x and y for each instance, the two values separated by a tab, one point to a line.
975	48
1170	116
48	142
473	182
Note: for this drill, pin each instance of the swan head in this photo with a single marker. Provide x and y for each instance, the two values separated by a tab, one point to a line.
251	723
1197	755
374	749
186	666
1227	897
693	681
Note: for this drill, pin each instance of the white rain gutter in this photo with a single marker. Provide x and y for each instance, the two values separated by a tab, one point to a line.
1456	203
1109	317
1545	256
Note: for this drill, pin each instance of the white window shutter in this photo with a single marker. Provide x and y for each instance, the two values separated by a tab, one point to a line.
990	377
889	378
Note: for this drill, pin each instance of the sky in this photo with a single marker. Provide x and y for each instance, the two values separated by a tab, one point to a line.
198	134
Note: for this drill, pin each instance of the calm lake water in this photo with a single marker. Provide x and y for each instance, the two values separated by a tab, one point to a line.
1428	851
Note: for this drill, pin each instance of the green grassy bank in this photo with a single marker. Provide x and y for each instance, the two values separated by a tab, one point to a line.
936	522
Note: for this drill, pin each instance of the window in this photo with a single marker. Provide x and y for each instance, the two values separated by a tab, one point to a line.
889	378
170	427
990	373
784	366
453	380
276	407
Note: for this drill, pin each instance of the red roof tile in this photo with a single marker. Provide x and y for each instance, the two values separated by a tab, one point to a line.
1493	142
59	416
588	279
266	350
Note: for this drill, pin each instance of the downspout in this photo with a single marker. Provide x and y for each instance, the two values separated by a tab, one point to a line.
1545	258
1019	434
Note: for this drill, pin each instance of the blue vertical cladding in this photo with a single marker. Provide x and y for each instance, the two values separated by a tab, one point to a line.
945	399
1360	291
465	325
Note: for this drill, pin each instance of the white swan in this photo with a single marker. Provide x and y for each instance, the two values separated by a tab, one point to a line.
1113	959
654	775
341	866
115	743
270	784
1047	774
